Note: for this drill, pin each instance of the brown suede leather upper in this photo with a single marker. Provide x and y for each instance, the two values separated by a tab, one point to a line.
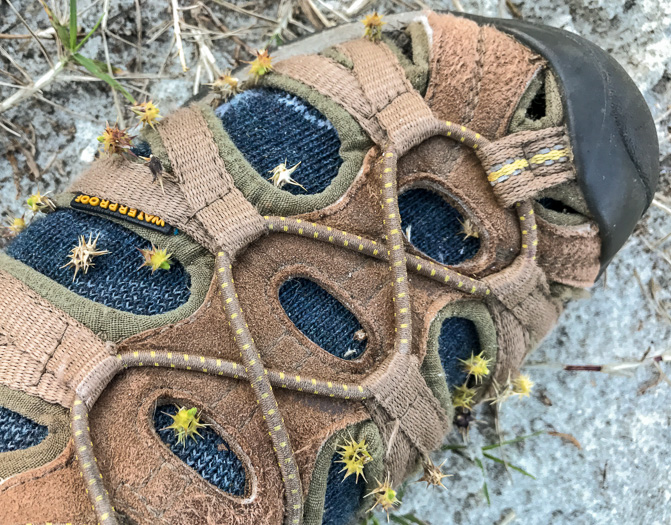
477	77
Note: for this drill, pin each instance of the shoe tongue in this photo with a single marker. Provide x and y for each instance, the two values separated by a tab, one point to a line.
478	74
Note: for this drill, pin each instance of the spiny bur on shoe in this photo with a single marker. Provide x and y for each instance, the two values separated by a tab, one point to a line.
115	140
155	258
373	24
38	202
185	424
81	256
355	456
147	112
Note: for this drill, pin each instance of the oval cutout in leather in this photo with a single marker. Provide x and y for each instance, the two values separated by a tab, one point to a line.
322	318
210	456
18	432
343	496
435	228
116	280
271	127
458	339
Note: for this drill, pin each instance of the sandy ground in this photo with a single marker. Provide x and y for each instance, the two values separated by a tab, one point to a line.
620	472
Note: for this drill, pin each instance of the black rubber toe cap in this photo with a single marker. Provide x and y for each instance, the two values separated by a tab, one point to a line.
612	132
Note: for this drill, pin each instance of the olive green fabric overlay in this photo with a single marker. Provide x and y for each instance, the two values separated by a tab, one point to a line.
417	69
374	470
570	194
108	323
270	200
338	56
157	148
54	417
554	111
432	370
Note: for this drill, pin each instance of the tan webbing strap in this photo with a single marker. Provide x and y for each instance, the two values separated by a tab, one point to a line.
401	111
410	406
337	82
521	165
121	181
218	208
44	351
569	254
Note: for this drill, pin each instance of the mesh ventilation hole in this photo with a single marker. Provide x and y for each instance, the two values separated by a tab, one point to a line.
210	456
458	339
18	432
343	497
116	280
537	106
556	205
434	227
322	318
271	127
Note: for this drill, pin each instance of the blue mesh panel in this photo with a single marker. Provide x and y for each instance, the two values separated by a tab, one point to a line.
18	432
458	339
116	280
142	149
321	317
343	497
210	456
270	126
435	227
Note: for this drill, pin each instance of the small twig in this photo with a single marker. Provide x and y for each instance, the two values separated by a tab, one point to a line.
243	11
457	6
178	35
660	205
33	34
117	104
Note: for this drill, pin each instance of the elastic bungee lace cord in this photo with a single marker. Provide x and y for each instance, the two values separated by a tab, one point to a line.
262	379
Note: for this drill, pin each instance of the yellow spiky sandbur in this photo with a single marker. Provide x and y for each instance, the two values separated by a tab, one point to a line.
354	455
522	385
385	496
185	424
262	64
373	26
476	366
463	396
155	258
147	112
81	256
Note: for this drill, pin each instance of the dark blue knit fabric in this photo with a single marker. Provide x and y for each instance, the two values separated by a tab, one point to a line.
435	227
270	127
321	317
116	280
210	456
18	432
458	339
343	497
141	149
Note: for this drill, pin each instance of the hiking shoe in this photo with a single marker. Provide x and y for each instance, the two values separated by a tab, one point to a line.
279	302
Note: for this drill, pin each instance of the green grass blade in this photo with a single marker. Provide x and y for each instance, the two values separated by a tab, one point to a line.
73	25
518	469
88	35
61	30
485	490
453	447
511	441
96	71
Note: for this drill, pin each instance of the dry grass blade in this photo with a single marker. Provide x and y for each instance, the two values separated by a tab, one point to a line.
178	34
569	438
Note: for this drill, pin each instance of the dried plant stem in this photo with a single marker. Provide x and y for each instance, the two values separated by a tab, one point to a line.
37	86
178	35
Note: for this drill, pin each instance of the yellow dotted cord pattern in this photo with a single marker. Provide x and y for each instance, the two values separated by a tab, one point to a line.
262	379
395	251
88	464
421	265
225	368
263	391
